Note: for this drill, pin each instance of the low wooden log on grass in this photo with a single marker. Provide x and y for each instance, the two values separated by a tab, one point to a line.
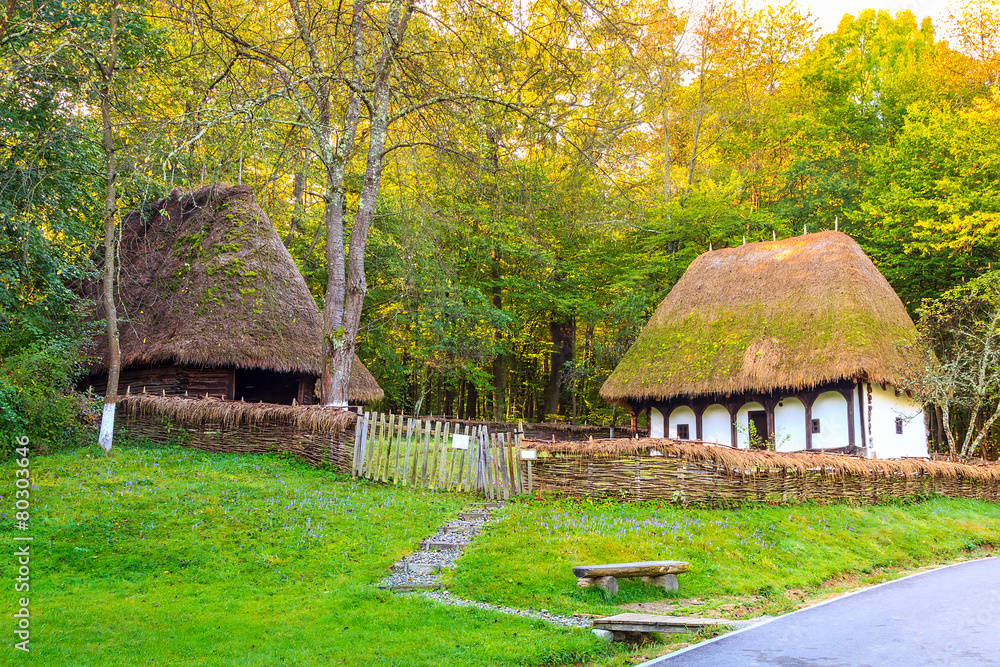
659	573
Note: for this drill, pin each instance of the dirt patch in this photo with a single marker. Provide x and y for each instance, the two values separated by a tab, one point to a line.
721	607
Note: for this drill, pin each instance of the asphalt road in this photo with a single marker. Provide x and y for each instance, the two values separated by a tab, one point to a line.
948	616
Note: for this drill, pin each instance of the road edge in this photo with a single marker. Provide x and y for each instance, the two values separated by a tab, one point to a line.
663	658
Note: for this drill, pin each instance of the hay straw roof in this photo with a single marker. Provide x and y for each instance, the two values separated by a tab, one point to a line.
206	281
776	315
746	460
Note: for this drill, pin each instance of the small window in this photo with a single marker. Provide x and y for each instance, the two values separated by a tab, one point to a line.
683	433
899	426
815	426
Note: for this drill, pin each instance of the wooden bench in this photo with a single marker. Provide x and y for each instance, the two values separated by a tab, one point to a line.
659	573
634	627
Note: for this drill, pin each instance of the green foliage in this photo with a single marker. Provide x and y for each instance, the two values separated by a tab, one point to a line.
37	397
935	202
960	375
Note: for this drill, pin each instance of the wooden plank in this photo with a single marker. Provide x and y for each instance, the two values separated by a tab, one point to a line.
399	445
483	474
406	460
502	460
377	447
507	458
384	469
647	568
366	442
432	480
358	426
515	457
451	464
475	472
426	453
442	480
498	467
655	623
491	466
418	434
462	483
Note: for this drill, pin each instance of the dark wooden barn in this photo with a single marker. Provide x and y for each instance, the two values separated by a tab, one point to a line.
211	302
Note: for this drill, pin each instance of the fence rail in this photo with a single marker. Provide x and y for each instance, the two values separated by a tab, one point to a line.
434	454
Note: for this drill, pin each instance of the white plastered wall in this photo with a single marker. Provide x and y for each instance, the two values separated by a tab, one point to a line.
830	408
886	408
655	423
682	415
715	425
860	418
743	424
789	425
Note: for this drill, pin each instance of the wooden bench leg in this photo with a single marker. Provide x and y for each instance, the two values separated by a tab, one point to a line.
610	584
667	582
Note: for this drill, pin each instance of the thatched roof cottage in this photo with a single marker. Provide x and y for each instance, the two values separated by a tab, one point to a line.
800	341
211	302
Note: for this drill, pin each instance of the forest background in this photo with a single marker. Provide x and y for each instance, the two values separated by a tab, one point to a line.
550	169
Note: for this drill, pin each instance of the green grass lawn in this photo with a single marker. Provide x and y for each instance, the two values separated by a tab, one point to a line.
166	556
766	557
178	557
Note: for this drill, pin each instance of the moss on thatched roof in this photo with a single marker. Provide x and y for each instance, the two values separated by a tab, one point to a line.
206	281
776	315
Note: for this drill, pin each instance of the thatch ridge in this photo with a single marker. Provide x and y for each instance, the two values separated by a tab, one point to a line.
786	314
747	461
207	281
228	414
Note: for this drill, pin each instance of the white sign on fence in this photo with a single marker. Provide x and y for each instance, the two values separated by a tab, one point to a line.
459	441
528	454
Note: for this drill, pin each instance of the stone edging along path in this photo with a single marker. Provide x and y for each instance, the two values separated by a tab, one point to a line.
420	572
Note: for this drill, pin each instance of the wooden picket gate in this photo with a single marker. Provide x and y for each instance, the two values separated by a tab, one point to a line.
433	454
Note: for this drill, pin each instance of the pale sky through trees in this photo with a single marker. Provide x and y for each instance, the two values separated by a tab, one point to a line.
829	12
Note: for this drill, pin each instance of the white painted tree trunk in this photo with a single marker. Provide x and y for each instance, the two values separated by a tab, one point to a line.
107	72
107	427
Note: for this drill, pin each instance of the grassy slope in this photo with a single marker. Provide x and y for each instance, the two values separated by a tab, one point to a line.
760	551
178	557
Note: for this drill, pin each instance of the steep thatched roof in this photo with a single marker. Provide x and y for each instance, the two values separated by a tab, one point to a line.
786	314
206	281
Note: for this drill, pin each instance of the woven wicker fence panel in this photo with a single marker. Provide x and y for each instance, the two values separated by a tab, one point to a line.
680	480
314	447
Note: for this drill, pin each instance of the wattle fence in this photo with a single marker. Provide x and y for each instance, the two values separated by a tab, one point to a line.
434	454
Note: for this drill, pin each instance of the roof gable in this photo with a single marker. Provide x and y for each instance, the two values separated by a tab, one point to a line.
784	314
206	281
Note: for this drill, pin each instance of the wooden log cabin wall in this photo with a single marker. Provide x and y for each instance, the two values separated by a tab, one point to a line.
250	385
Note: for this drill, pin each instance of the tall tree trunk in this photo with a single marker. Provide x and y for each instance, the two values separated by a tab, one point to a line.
561	335
946	421
107	71
698	116
500	360
349	295
471	403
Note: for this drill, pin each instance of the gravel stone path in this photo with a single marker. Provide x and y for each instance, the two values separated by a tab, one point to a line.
423	569
569	621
